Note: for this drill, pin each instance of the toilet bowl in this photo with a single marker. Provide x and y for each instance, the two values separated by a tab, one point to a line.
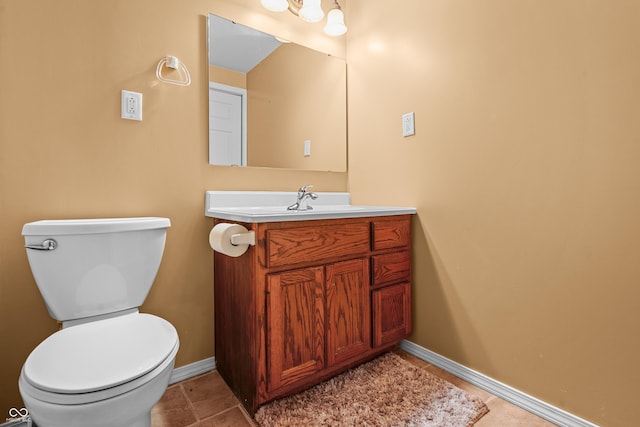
107	369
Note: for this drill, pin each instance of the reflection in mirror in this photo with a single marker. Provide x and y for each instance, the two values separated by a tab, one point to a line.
272	103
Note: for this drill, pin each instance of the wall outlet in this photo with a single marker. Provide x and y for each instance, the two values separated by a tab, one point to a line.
131	105
408	125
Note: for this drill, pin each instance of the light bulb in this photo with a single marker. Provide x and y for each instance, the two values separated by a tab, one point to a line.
275	5
311	11
335	23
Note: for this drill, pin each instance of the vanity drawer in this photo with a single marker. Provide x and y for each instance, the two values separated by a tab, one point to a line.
316	243
391	233
391	268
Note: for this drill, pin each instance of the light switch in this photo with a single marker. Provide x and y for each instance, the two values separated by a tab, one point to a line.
307	147
408	125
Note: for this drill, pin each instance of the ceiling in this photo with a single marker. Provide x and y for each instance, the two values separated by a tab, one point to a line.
237	47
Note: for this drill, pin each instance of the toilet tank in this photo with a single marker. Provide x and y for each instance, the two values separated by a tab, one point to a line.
98	266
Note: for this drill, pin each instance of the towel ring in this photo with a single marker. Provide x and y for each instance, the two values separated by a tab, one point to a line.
174	63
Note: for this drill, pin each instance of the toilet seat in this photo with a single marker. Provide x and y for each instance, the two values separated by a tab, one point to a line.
101	359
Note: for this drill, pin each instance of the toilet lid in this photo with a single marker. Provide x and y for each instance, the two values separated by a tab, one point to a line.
101	354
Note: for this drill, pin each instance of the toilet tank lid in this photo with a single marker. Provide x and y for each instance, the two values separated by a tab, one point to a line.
92	226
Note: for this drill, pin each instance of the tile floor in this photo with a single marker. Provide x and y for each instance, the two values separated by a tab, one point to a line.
206	401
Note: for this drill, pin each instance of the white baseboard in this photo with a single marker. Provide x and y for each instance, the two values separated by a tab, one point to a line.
193	369
517	397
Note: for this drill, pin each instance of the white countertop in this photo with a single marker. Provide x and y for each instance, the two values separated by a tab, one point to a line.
271	206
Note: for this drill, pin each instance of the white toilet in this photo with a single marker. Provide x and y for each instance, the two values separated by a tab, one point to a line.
109	364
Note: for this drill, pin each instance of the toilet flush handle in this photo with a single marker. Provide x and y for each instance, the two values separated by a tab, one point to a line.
46	245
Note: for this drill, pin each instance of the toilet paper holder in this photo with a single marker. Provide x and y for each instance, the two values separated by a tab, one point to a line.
231	239
248	238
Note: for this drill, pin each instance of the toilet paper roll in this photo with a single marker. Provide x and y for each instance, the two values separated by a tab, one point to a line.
220	239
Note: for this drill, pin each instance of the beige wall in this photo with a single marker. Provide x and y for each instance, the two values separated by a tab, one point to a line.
524	170
65	152
227	77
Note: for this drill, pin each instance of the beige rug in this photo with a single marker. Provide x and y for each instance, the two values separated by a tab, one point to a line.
388	391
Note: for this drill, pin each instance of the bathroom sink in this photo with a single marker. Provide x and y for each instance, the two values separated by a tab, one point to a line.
265	207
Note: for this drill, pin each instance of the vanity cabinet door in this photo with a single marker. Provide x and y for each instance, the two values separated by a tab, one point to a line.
348	310
295	325
391	314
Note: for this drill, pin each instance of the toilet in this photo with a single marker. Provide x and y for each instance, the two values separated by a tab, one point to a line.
109	364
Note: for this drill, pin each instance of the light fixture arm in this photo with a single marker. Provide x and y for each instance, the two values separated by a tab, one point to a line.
295	6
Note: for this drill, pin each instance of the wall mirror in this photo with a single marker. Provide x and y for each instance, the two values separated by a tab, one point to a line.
273	103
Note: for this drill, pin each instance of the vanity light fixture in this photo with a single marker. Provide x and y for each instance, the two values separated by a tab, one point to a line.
311	11
335	21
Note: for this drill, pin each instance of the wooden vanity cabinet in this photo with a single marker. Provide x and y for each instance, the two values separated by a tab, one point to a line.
309	300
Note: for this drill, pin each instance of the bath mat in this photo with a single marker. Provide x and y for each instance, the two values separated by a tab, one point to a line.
387	391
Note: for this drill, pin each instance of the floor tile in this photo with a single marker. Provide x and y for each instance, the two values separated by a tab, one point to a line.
505	414
234	417
173	409
209	395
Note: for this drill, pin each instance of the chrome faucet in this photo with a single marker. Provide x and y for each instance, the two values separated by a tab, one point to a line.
303	196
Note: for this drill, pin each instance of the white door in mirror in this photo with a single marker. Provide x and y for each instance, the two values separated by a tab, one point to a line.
227	137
